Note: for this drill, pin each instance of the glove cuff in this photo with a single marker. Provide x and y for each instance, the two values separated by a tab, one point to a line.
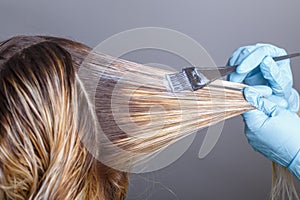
294	166
294	101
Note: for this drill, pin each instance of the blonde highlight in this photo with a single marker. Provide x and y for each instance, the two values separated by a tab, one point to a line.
47	115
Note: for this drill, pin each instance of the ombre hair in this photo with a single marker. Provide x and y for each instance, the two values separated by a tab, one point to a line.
49	144
41	154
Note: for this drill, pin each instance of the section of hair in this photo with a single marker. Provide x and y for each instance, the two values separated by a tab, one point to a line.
282	183
138	116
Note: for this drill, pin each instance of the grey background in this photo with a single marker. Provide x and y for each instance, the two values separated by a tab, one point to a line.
232	170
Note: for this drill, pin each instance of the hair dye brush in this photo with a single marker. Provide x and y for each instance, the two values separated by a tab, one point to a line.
193	79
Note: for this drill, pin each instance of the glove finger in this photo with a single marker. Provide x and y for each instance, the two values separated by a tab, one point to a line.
280	80
293	101
262	90
256	99
241	53
256	57
235	77
267	93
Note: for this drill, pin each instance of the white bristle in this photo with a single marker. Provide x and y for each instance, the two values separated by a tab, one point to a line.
179	82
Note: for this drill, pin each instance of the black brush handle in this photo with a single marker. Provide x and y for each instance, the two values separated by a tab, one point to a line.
286	56
228	70
199	77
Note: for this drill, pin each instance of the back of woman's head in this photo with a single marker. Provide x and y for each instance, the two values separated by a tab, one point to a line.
41	155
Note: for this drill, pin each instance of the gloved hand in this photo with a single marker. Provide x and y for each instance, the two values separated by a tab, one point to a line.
256	67
272	130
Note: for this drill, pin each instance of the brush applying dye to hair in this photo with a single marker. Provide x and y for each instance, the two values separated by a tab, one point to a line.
196	78
135	104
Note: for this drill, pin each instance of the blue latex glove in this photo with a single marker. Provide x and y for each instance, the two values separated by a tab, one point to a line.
256	67
272	130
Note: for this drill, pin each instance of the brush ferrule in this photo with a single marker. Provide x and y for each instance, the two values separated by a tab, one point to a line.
196	79
189	79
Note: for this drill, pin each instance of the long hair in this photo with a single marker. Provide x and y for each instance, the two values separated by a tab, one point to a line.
50	147
41	155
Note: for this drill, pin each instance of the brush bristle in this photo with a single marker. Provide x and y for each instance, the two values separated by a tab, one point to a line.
179	82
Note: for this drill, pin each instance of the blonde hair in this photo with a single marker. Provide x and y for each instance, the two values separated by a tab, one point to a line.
49	118
41	153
